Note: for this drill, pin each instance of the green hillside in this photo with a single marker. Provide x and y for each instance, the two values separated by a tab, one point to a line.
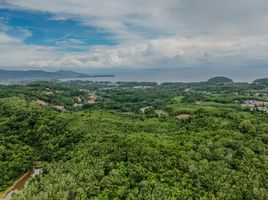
103	151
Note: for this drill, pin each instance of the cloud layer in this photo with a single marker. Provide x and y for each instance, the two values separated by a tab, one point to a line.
150	33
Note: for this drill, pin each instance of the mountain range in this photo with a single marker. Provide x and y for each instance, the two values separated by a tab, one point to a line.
40	74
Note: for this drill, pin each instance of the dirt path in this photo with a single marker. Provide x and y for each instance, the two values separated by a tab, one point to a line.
19	184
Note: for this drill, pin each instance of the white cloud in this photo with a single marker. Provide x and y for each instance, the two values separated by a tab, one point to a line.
19	55
179	51
4	38
152	33
169	16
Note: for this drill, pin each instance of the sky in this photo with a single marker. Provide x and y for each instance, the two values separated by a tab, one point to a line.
209	36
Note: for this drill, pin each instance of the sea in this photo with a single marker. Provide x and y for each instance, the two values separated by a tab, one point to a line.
171	75
155	75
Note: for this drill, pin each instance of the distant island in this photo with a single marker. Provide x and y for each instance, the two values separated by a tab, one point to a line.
220	80
261	81
40	74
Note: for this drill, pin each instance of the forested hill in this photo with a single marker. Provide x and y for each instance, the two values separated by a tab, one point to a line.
220	80
262	81
134	142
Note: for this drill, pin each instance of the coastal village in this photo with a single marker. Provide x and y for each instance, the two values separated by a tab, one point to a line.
256	105
79	101
90	97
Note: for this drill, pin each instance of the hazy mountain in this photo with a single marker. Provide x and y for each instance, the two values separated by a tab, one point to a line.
71	74
220	80
39	74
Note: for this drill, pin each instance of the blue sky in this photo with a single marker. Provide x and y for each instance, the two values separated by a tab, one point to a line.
208	35
45	30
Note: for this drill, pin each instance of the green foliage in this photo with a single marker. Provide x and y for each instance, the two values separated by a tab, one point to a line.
263	81
112	150
192	97
220	80
30	133
247	127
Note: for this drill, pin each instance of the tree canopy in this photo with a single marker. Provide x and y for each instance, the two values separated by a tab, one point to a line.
113	150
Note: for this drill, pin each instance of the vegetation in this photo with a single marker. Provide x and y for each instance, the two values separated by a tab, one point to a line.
129	144
220	80
263	81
